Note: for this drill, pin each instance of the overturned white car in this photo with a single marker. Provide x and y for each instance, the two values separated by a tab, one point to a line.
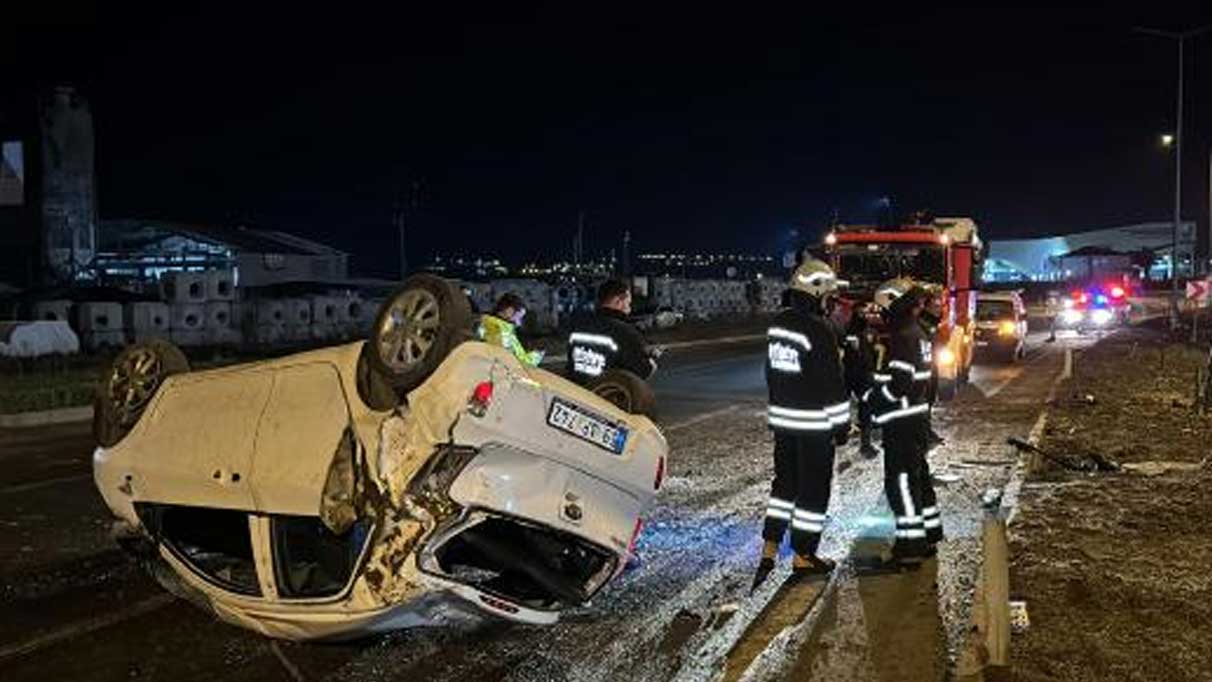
300	497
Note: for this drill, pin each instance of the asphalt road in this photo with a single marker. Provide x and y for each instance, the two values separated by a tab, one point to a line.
73	607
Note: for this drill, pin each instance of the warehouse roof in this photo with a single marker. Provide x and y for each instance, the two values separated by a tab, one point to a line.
133	234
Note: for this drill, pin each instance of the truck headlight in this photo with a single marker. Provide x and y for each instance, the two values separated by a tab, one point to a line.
1101	316
946	357
1007	328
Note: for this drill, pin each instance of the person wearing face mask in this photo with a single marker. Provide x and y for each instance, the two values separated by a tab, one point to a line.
500	328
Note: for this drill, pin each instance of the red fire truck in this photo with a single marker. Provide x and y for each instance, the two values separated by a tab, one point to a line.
943	255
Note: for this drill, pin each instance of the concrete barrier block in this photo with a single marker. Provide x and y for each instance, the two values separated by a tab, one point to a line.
270	335
219	315
188	317
324	331
52	311
298	312
184	287
325	310
147	320
297	333
228	337
220	285
96	317
269	312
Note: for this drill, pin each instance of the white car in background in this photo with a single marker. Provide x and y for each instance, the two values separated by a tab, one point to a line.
378	485
1001	325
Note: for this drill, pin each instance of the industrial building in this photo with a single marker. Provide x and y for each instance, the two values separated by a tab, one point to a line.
1144	247
137	252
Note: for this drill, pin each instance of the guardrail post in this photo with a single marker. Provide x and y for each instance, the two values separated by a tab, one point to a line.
987	654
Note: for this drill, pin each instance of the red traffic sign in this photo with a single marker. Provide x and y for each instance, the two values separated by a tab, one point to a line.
1198	290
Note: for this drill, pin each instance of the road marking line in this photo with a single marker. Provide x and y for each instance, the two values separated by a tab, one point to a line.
34	485
291	668
702	418
84	627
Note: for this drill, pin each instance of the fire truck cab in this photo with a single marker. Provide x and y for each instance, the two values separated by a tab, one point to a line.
943	256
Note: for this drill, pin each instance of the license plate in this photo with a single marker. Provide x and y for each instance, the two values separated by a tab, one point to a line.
587	426
982	344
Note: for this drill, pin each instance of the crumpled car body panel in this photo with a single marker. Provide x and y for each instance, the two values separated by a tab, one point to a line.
260	438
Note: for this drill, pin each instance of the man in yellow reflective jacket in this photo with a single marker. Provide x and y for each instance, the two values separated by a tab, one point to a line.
500	328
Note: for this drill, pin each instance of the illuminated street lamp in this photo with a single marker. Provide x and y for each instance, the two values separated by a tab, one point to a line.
1167	140
1180	40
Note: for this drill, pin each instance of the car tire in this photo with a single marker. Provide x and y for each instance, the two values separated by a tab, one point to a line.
416	329
625	391
374	389
128	384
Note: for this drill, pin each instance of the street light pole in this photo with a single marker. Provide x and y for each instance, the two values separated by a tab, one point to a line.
1181	38
1178	191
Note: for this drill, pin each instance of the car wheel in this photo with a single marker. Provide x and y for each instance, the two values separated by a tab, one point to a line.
625	391
416	329
128	385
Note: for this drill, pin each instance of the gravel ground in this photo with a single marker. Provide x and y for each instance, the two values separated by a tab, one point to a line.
1114	566
678	616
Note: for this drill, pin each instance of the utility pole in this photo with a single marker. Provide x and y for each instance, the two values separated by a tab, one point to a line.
398	222
626	252
578	242
400	213
1181	39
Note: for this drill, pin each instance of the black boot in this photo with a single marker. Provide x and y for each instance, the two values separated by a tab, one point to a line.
866	449
911	553
934	439
765	566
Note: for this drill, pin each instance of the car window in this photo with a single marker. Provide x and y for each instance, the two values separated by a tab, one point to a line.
214	542
994	310
312	561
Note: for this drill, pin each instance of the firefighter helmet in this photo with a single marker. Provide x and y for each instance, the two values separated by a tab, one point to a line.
896	293
814	277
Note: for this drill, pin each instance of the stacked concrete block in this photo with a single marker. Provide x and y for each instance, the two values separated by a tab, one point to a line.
184	287
188	324
351	317
100	325
771	294
53	311
325	318
265	322
221	329
147	320
220	285
298	319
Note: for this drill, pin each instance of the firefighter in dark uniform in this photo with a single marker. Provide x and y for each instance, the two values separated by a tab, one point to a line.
809	413
930	320
900	407
858	358
606	340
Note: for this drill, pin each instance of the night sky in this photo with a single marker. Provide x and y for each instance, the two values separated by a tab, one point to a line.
693	128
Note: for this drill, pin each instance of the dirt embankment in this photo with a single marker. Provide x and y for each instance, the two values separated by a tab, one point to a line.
1115	567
